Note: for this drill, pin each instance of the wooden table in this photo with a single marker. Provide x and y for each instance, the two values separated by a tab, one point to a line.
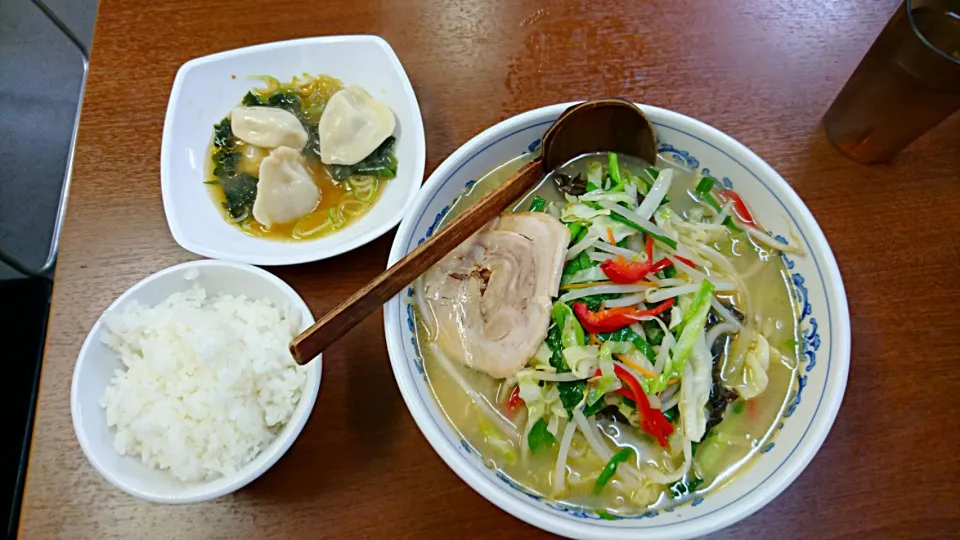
763	72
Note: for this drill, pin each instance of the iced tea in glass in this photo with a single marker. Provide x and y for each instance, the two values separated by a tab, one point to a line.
908	82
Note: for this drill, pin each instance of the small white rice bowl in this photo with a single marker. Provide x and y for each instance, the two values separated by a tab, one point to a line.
185	389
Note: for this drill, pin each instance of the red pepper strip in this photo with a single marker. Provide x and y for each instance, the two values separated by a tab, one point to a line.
514	401
738	206
625	272
652	421
661	265
649	248
622	271
613	319
686	261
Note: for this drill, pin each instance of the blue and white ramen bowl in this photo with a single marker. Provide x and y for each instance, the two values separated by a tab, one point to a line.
824	328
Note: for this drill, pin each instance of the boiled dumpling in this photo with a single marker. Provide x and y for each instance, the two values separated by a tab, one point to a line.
285	191
268	127
352	126
250	159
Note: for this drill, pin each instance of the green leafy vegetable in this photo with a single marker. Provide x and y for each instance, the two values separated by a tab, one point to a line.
540	437
611	468
575	230
312	148
571	333
653	331
539	204
580	262
380	163
672	415
592	410
225	162
223	134
626	334
288	100
555	343
595	302
240	191
572	394
685	487
250	100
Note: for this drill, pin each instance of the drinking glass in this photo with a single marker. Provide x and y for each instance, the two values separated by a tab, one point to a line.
908	82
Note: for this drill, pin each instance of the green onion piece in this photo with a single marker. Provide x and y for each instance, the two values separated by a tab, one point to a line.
613	169
611	468
705	185
606	515
711	200
663	239
538	204
691	331
703	189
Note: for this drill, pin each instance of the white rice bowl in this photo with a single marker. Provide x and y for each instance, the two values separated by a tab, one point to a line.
185	390
208	381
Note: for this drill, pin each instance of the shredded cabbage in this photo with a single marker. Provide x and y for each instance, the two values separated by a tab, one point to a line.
577	212
582	360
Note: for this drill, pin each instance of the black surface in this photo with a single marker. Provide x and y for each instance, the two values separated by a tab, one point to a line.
24	304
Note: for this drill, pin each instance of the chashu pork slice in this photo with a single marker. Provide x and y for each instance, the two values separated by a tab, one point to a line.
491	297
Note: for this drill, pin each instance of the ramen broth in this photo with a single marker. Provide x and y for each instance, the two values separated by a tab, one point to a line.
726	450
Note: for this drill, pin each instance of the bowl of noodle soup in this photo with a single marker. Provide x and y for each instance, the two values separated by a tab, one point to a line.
779	322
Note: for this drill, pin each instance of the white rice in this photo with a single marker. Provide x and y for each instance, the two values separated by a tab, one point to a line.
208	381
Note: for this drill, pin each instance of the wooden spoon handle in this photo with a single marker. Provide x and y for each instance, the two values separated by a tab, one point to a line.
333	325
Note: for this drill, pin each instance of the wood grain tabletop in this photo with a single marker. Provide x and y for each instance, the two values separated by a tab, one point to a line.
761	71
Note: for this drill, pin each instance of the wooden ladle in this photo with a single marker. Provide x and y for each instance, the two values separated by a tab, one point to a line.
605	125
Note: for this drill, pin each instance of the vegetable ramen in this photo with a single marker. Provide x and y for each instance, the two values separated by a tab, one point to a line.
624	345
301	160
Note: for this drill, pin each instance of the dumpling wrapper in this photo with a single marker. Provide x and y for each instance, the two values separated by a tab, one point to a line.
352	126
268	127
285	191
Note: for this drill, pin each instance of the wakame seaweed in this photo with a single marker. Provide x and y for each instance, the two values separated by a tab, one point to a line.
240	191
282	99
239	188
380	163
223	134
